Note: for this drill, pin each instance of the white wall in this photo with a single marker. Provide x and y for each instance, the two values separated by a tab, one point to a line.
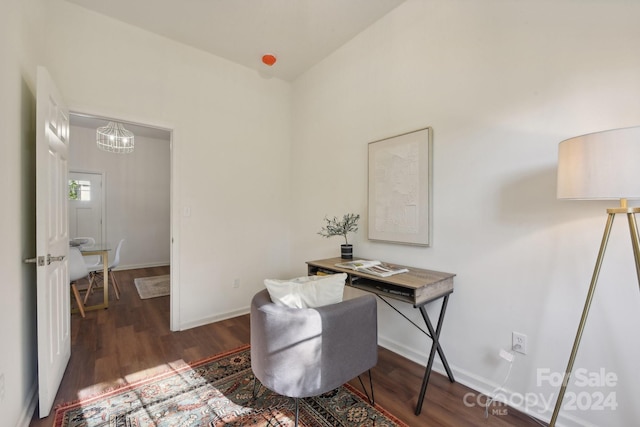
230	150
501	83
20	38
136	195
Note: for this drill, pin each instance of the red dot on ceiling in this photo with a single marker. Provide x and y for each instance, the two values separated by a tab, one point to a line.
269	59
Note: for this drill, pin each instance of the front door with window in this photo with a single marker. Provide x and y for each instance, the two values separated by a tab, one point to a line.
85	205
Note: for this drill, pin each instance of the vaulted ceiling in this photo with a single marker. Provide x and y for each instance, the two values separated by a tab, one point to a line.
300	33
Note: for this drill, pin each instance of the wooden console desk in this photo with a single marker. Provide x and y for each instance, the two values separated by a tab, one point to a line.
417	287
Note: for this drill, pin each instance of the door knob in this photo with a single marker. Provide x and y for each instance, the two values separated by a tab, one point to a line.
41	260
37	260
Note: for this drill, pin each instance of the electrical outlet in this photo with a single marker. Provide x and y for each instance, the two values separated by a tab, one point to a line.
236	283
519	342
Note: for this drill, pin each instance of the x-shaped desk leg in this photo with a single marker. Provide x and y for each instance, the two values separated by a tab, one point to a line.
435	346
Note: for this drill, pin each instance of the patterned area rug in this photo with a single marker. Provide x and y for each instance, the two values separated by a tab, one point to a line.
218	392
152	287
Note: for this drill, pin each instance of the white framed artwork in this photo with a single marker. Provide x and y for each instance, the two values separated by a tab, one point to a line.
400	188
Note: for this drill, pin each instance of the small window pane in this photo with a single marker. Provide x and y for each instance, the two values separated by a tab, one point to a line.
79	190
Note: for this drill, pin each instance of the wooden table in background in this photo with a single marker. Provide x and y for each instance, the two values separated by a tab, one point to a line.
103	251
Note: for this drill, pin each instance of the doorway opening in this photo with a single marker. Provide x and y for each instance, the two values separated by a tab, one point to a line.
133	189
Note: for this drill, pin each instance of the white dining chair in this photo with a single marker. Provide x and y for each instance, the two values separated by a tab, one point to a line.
96	271
77	270
87	242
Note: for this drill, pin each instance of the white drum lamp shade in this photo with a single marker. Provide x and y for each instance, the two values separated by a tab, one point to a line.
601	165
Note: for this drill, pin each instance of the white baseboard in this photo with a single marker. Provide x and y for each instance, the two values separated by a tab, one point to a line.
212	319
483	386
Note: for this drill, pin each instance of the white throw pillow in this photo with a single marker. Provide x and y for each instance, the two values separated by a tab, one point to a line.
307	291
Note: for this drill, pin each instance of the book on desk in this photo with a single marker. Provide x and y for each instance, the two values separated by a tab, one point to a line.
375	268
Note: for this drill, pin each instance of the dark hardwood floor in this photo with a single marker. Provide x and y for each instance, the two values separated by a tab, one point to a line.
131	340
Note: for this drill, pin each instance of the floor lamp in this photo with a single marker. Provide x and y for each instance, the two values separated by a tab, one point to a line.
600	166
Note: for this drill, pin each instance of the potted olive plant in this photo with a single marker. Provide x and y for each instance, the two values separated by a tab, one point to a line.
341	227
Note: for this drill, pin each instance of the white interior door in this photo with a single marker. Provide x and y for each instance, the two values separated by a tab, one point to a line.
86	205
52	240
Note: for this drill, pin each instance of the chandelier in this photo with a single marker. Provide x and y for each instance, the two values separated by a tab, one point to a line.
114	138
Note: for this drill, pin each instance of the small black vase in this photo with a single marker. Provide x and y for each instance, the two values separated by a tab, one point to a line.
346	251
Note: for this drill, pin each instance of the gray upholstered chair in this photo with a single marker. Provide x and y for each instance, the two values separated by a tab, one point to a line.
302	352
